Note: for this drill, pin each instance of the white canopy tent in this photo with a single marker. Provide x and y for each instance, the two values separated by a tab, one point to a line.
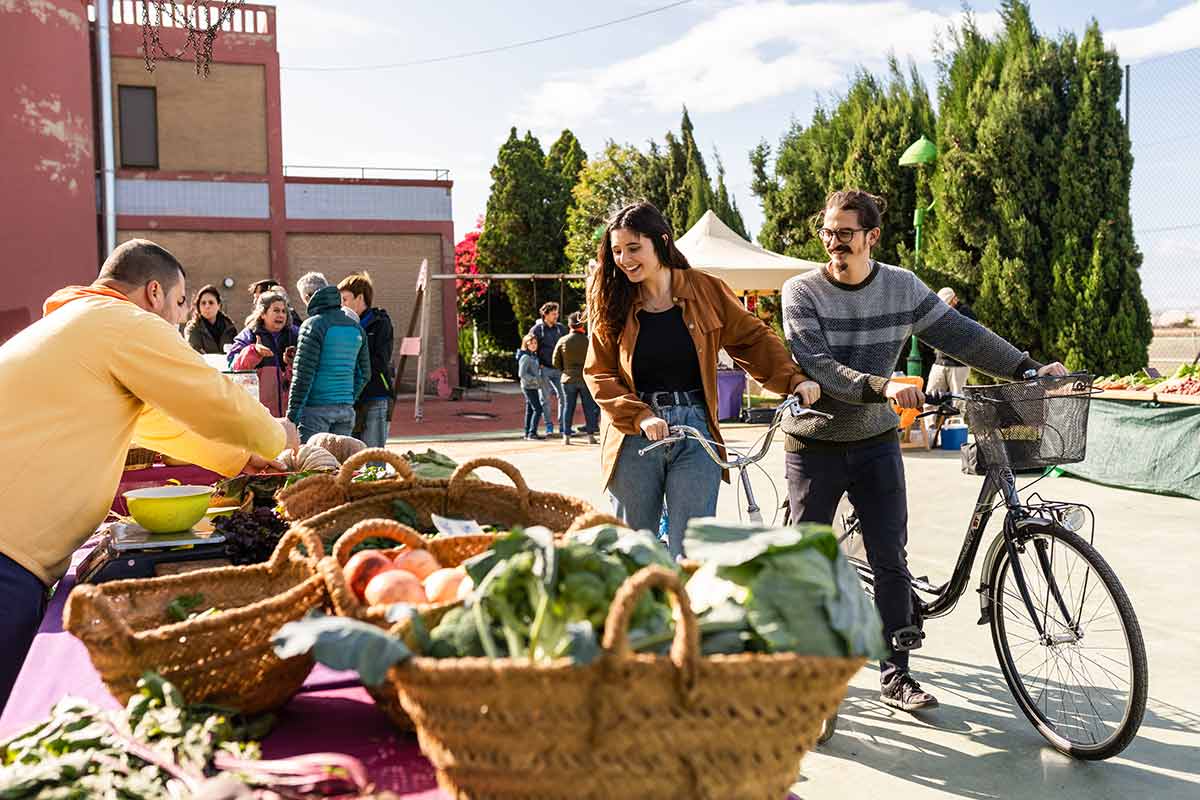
712	246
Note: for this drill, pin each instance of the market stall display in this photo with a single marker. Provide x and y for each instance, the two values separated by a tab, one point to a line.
724	705
223	657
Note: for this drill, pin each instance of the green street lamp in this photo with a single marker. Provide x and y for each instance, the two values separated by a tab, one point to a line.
919	153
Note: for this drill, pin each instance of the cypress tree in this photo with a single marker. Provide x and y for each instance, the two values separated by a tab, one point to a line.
1098	318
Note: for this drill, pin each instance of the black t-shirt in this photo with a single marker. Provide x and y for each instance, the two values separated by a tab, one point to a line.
664	358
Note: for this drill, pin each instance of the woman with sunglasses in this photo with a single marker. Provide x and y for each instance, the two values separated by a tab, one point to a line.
656	327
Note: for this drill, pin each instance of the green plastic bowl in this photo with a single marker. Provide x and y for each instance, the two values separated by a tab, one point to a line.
168	509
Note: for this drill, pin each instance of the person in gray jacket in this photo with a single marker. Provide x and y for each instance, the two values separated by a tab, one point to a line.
529	370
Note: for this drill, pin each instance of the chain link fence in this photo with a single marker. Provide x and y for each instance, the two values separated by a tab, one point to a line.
1164	126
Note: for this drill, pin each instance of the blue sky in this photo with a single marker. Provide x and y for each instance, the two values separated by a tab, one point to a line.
744	70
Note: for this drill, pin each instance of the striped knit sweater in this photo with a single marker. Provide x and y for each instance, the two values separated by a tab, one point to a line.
849	339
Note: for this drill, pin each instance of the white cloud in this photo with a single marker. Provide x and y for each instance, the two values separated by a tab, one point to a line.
1177	30
747	53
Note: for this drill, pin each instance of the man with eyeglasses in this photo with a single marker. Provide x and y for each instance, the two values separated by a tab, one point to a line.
846	325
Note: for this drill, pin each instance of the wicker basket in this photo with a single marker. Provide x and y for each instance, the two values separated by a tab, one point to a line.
225	658
140	458
330	504
628	725
449	551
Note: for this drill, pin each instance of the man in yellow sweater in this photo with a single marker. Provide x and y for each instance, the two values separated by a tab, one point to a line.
104	368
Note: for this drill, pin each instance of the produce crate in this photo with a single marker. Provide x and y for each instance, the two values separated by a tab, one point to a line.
225	658
627	725
330	504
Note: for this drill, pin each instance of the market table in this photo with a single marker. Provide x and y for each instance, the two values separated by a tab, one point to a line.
1144	441
331	713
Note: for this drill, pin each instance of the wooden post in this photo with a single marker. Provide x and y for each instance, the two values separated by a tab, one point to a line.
423	287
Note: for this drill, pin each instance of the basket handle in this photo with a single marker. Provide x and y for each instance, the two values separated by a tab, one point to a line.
345	602
86	600
368	528
364	457
685	647
591	519
458	481
295	536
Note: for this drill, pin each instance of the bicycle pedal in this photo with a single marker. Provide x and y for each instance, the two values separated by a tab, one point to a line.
907	638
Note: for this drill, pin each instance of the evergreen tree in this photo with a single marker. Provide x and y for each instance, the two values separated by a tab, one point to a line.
564	162
725	206
519	233
615	178
856	143
679	192
1098	319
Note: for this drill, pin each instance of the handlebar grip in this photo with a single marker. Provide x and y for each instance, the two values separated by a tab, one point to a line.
937	398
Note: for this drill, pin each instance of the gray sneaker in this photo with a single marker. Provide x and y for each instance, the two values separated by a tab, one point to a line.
903	692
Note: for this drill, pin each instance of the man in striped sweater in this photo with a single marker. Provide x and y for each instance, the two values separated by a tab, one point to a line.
846	325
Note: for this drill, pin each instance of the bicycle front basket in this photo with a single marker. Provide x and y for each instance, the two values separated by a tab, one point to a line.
1031	424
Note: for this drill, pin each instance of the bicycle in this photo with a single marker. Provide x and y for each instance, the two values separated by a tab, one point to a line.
740	462
1036	604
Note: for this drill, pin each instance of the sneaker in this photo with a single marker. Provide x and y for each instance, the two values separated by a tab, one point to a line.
534	437
566	440
903	692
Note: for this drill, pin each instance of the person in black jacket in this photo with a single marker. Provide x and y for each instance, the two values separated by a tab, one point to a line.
358	292
209	331
548	330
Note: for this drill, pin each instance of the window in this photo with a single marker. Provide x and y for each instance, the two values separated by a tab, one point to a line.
139	126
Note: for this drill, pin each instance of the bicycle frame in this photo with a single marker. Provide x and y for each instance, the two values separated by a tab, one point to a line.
1019	517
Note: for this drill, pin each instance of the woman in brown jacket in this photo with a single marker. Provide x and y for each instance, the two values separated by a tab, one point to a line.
656	326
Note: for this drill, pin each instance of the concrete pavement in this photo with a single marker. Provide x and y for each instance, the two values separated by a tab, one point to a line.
977	744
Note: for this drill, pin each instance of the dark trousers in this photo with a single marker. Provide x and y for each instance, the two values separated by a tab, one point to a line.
533	410
591	412
873	476
22	604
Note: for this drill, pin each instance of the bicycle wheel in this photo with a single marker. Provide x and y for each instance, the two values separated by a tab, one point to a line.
1083	682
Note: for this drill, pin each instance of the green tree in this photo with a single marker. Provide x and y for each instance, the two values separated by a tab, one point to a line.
725	206
615	178
519	230
564	162
856	143
1098	318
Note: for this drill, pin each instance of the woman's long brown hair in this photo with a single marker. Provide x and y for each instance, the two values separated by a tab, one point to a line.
610	293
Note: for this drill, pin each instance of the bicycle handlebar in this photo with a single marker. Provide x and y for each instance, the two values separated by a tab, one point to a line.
677	433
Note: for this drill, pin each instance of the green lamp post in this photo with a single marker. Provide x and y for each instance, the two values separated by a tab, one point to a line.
920	152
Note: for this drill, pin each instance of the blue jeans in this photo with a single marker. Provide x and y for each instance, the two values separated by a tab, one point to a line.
681	472
326	419
552	385
375	421
591	412
533	410
23	600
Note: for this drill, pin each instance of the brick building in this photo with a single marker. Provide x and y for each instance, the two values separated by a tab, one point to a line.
198	169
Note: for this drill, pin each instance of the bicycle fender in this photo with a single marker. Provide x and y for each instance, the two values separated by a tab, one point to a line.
995	549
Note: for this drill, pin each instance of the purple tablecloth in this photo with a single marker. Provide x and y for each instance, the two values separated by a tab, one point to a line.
332	712
731	384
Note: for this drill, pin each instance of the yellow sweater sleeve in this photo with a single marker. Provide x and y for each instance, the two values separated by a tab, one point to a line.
194	413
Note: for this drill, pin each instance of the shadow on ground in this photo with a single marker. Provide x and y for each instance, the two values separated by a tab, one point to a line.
1001	753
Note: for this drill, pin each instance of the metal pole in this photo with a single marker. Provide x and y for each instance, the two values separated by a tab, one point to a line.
107	150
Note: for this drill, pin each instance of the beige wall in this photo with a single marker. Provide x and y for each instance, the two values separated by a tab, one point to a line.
393	260
213	124
210	257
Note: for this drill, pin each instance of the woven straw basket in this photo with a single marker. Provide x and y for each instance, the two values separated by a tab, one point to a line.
330	504
628	725
225	658
449	551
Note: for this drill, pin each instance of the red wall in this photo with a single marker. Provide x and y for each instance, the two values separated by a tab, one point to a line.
48	236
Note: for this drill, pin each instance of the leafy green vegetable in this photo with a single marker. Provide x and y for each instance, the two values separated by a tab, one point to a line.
799	591
431	464
342	643
181	607
405	514
157	748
